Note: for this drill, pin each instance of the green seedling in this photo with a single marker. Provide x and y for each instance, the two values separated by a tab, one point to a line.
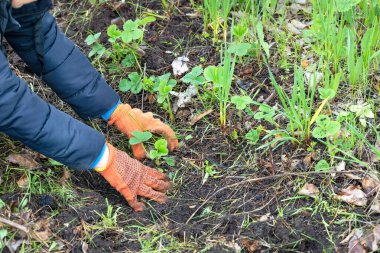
240	31
211	74
298	107
241	102
212	16
344	5
165	78
97	49
169	161
363	112
125	43
240	49
194	77
140	137
266	112
260	34
325	127
326	93
161	149
225	75
148	84
253	136
133	83
209	171
109	220
164	85
322	165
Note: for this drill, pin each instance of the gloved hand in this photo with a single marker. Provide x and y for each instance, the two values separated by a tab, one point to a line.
131	178
128	120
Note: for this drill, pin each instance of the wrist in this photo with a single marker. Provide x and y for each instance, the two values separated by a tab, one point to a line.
106	116
101	162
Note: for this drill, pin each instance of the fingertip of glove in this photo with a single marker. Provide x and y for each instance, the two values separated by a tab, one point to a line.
138	207
173	144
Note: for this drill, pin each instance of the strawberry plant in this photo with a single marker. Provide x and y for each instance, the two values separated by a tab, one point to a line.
133	83
165	86
160	150
125	42
140	137
325	127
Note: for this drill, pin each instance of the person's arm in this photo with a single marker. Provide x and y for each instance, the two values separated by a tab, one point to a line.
26	117
49	53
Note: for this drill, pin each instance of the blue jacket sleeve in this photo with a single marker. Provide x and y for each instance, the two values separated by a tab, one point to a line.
62	65
26	117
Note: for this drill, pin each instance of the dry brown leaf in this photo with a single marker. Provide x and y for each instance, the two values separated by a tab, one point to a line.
370	185
66	175
13	245
43	235
298	24
309	190
352	195
352	176
374	156
305	64
372	240
23	160
267	165
375	207
23	182
354	246
251	246
198	117
350	235
42	229
151	98
309	158
291	28
266	217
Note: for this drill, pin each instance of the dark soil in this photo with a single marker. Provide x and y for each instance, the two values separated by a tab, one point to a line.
236	161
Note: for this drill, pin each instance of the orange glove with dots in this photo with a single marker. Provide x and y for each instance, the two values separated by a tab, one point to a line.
131	178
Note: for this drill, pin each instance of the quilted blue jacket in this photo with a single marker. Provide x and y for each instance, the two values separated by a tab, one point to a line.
33	33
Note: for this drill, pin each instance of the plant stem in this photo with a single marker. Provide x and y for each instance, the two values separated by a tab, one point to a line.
171	115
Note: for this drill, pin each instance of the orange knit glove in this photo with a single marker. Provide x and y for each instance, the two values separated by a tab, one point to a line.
131	178
128	120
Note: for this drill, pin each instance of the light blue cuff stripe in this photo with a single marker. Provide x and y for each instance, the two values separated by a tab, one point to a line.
108	114
99	157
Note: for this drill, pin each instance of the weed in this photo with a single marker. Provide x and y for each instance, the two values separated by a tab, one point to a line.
109	220
209	171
